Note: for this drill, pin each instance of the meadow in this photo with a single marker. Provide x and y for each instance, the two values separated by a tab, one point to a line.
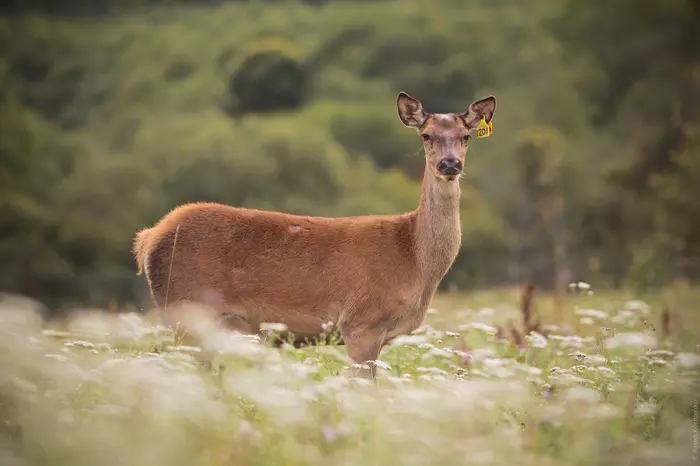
606	378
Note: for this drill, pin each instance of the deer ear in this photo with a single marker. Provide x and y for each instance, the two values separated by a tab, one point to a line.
410	110
481	108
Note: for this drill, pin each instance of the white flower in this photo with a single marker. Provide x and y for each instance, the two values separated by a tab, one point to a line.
586	321
483	353
594	360
572	341
57	357
604	411
604	370
626	317
184	349
488	329
432	370
637	306
660	352
80	343
688	360
582	395
536	340
432	311
579	285
645	408
273	327
55	333
408	340
438	352
593	313
635	340
381	365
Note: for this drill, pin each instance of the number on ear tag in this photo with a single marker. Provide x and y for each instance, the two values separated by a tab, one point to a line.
484	129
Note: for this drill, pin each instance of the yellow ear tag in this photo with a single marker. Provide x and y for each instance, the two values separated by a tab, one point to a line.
484	129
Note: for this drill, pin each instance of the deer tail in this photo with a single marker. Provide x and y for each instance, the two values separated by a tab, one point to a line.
140	248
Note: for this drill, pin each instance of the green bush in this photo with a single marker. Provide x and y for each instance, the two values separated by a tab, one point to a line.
269	79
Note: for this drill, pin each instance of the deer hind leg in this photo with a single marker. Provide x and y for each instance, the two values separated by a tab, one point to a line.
364	346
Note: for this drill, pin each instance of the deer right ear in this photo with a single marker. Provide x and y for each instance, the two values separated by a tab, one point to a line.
410	110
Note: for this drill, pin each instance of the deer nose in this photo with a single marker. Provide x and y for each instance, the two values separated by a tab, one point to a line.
450	166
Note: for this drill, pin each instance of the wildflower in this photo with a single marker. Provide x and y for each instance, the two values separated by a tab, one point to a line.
360	367
592	313
645	408
635	340
381	365
625	317
55	333
637	306
660	352
273	327
397	380
586	321
572	341
537	340
184	349
594	360
604	370
79	343
603	411
432	370
464	357
57	357
438	352
451	334
582	395
688	360
488	329
328	433
408	340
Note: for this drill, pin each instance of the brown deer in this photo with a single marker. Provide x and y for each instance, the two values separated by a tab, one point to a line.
372	276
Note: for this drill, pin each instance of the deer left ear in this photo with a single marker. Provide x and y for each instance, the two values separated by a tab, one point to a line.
481	108
410	110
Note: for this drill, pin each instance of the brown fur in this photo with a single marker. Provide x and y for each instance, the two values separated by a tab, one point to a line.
372	276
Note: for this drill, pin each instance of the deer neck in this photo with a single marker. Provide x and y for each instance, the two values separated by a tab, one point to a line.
437	230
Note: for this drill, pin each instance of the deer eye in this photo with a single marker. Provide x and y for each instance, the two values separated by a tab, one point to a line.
426	137
466	138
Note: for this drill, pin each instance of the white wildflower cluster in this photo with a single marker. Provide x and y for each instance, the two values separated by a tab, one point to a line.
632	341
91	392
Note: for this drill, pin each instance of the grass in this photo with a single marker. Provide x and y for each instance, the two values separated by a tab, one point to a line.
603	381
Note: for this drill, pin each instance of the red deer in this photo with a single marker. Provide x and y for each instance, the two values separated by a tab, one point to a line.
372	276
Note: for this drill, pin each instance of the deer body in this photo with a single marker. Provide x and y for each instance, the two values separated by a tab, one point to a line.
372	276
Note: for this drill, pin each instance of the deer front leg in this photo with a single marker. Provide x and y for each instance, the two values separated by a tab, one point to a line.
364	345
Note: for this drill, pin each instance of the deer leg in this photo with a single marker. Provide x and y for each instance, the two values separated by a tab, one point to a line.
363	346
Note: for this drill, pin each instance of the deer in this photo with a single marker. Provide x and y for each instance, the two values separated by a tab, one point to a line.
371	276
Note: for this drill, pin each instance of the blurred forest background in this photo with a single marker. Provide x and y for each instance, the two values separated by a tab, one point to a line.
112	112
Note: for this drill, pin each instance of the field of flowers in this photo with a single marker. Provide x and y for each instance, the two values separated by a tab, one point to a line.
604	379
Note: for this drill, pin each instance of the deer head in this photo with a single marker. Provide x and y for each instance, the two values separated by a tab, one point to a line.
445	135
